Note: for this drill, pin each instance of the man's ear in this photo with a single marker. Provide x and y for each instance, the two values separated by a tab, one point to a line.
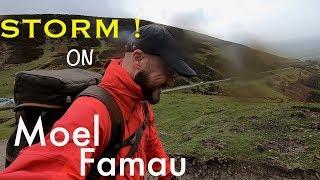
137	56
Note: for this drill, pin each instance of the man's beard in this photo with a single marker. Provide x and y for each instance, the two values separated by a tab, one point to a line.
150	93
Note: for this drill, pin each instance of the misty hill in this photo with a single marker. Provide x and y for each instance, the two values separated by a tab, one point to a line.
304	49
212	58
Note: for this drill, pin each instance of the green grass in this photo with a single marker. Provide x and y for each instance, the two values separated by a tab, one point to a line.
6	127
6	114
251	89
267	85
185	120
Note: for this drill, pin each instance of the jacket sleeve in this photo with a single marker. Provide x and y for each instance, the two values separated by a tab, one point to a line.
155	148
52	162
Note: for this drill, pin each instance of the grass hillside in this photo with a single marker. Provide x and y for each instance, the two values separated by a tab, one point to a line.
262	121
226	127
284	84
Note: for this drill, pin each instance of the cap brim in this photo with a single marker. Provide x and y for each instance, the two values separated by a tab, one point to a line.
178	64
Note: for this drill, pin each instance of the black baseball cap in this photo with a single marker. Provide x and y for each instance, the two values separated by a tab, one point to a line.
157	40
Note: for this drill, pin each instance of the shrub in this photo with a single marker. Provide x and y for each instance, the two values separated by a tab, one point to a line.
313	81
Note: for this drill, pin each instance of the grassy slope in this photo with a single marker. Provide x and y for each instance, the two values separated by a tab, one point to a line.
185	120
254	112
268	85
6	119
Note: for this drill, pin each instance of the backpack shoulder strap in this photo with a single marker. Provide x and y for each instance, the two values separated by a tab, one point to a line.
116	125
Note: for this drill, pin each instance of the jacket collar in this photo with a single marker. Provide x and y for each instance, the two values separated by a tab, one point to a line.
119	81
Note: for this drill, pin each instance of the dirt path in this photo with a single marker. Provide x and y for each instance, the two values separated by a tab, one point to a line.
3	144
194	85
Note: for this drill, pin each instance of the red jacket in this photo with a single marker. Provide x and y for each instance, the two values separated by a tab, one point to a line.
51	162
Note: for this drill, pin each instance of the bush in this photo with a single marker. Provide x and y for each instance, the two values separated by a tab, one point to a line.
181	82
314	96
313	81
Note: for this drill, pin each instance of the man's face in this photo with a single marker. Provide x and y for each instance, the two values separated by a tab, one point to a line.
153	75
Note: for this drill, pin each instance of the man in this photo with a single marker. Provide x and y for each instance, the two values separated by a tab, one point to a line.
147	67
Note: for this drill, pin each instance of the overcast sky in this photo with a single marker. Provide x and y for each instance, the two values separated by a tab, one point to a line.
240	21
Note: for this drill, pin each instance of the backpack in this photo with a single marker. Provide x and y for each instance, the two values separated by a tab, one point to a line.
49	93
